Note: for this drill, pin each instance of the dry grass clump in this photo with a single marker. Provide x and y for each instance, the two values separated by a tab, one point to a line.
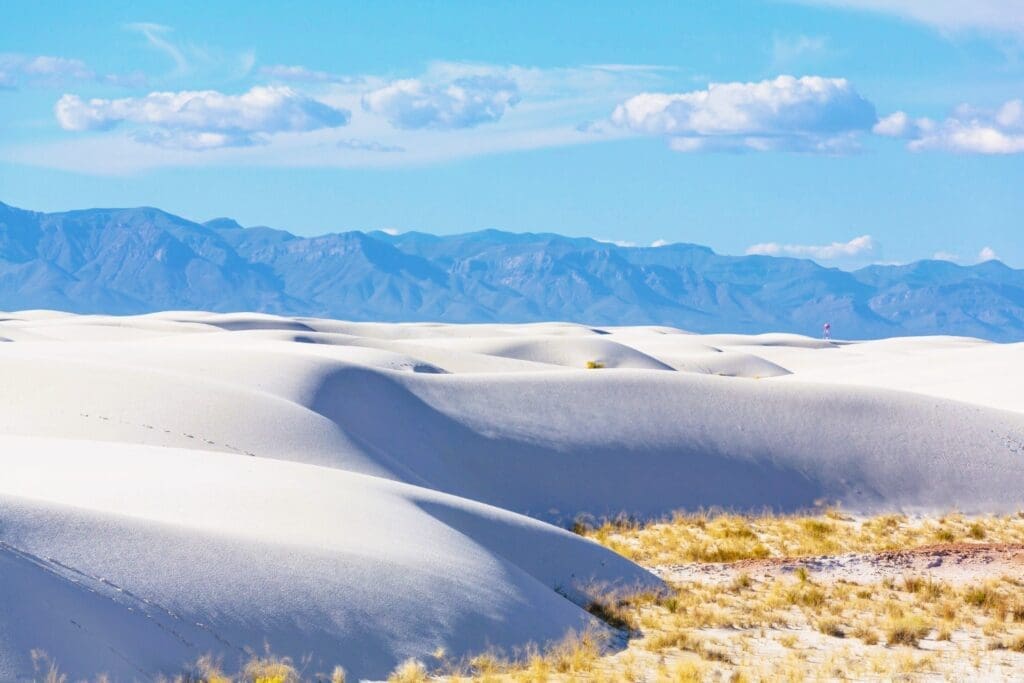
724	537
830	626
578	654
258	669
409	671
46	668
907	631
1014	643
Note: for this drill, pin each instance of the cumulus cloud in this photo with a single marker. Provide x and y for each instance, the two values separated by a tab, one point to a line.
660	243
969	130
202	119
48	71
896	125
987	254
858	247
462	103
803	114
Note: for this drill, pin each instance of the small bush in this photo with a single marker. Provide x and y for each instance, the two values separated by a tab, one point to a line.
577	652
612	612
1016	611
981	596
270	670
830	627
594	365
1016	644
409	671
866	634
907	631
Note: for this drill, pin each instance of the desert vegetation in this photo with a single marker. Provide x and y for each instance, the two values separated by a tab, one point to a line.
783	625
757	618
723	537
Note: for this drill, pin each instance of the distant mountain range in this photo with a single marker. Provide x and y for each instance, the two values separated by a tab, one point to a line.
140	260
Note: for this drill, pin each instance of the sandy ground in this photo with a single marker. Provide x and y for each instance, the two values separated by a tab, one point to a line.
184	482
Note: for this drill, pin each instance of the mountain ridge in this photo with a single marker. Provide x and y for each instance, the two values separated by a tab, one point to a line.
137	260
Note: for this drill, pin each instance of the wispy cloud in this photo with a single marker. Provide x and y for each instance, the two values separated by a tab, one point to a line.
790	50
617	243
45	71
368	146
301	74
967	130
811	114
190	59
202	119
857	248
997	16
154	35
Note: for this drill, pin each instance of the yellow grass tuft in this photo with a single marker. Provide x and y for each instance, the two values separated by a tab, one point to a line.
907	631
409	671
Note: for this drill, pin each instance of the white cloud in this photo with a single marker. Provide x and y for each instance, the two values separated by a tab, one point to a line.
618	243
858	247
48	71
998	16
968	130
463	103
202	119
554	102
660	243
987	254
896	125
787	113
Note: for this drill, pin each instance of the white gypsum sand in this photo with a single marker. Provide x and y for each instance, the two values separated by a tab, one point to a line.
182	483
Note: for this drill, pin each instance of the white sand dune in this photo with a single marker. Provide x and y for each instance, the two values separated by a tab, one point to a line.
132	559
187	482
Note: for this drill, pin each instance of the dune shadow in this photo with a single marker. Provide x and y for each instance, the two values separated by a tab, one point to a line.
552	481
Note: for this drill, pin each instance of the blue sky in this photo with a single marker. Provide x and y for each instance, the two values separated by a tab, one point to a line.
849	131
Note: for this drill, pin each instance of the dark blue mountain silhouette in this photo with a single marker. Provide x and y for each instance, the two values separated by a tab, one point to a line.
144	259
